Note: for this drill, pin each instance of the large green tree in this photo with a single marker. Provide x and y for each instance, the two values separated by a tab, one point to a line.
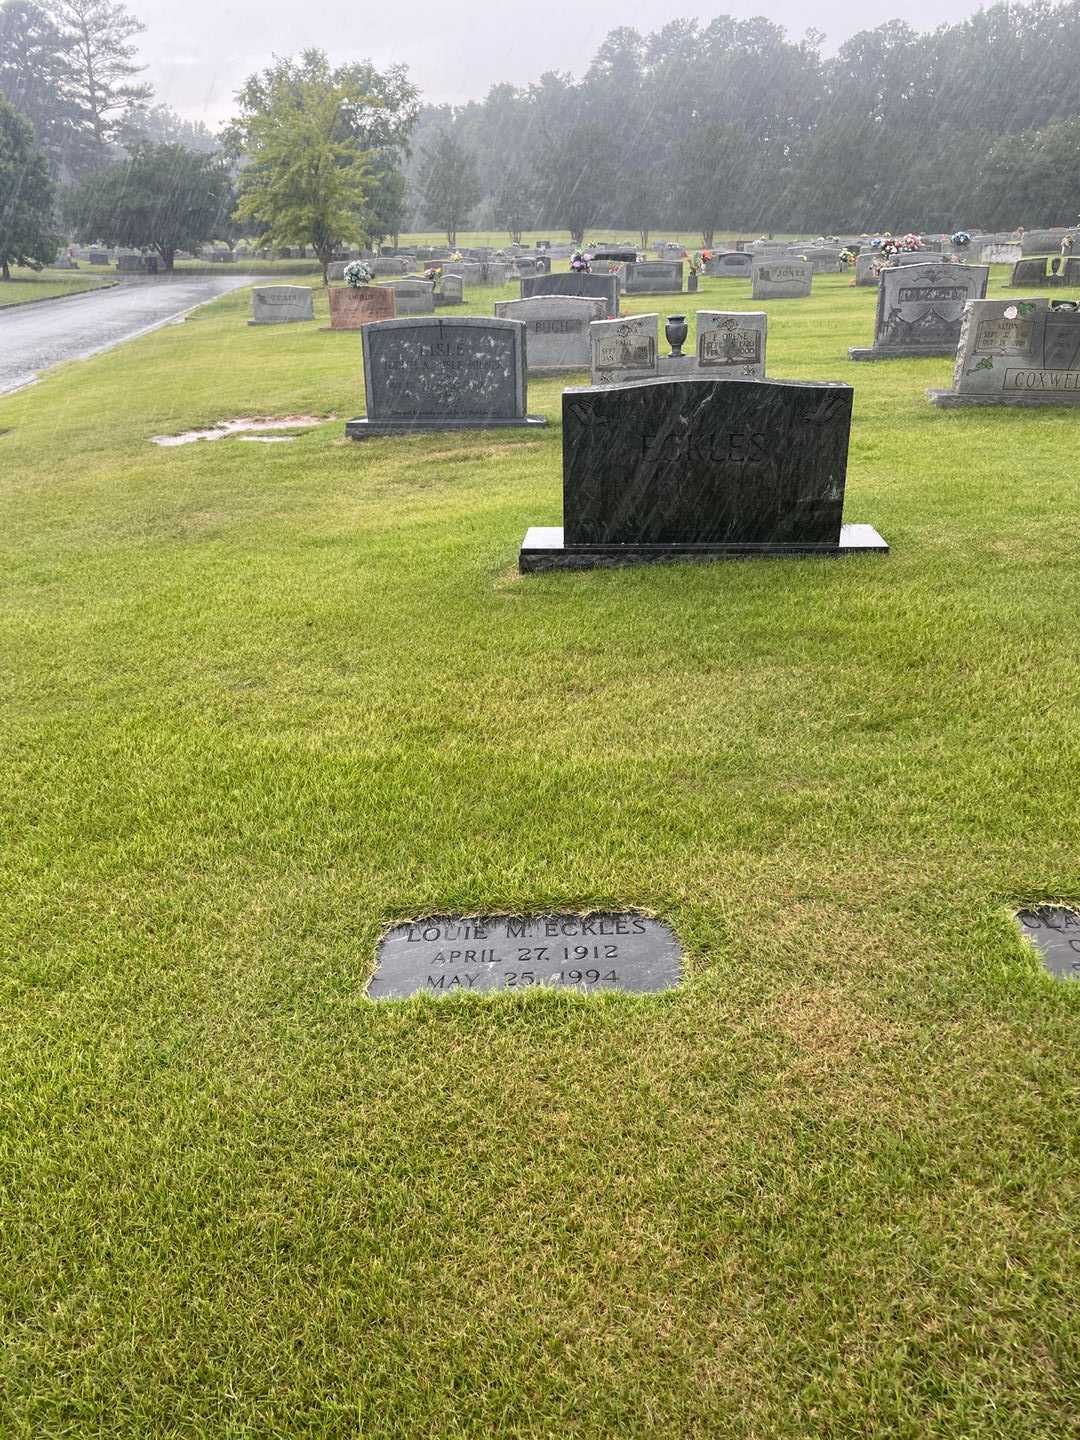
102	69
449	184
162	198
307	136
26	196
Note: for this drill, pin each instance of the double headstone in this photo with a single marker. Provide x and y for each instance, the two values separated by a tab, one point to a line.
781	279
557	327
700	468
574	282
1038	272
466	373
1016	352
279	304
919	308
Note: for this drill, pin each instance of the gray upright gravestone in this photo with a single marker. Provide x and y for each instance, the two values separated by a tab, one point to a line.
574	282
919	309
558	329
701	468
278	304
1016	352
781	279
421	374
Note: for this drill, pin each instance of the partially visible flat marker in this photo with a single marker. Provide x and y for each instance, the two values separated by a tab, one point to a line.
442	954
1054	930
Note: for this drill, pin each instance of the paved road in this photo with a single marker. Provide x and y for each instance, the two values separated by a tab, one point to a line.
33	337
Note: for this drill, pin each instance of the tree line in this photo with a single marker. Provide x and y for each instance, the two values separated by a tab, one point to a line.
695	127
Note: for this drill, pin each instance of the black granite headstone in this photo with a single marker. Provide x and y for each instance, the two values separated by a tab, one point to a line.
574	282
440	954
674	468
431	374
1054	930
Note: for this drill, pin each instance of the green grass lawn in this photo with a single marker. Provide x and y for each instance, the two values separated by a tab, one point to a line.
262	700
27	285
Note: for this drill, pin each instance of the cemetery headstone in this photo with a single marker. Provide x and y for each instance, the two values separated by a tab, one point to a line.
1037	272
451	290
1016	352
280	304
336	270
574	282
701	468
731	344
466	373
412	296
782	279
1054	933
558	329
442	954
653	277
732	264
919	308
98	257
353	307
623	350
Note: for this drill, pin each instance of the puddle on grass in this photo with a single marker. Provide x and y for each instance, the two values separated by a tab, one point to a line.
235	427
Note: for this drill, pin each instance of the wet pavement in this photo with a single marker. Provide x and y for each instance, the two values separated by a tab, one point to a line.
34	337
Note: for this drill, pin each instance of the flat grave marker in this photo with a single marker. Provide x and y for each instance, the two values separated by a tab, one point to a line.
1054	932
440	955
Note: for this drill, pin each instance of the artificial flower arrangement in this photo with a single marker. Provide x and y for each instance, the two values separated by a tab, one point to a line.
358	273
434	274
960	238
578	262
911	241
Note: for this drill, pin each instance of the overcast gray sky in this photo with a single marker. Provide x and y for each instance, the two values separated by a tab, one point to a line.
200	50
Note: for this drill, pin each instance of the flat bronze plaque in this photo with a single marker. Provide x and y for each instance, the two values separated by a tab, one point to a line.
1054	930
443	954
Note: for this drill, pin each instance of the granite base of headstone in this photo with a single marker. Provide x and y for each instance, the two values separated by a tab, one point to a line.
701	469
919	308
465	373
1016	352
